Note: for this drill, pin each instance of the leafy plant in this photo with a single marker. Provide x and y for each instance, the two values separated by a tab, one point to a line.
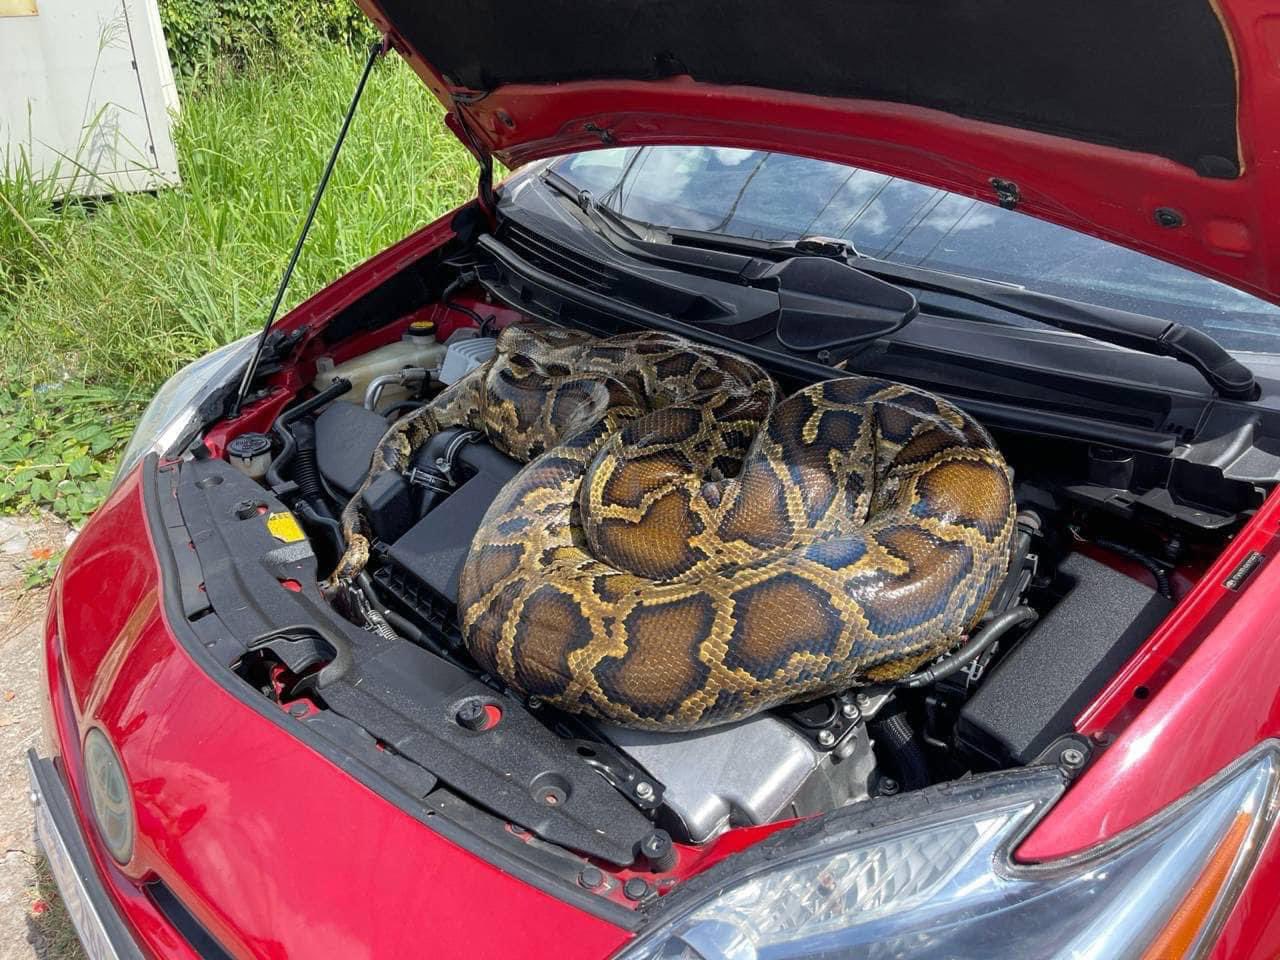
40	572
125	292
61	447
101	301
203	32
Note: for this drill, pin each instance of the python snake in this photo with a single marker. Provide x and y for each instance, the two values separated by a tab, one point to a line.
683	549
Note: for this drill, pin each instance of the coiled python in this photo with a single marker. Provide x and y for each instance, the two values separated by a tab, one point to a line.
682	550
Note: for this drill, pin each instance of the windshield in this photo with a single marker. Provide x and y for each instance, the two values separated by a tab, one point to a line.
773	196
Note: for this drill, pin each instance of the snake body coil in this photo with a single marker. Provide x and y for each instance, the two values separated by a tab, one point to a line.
683	550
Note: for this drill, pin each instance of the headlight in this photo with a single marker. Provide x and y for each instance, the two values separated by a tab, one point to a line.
173	416
935	880
109	795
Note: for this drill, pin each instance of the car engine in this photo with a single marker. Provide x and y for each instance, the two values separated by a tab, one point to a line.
769	767
1097	559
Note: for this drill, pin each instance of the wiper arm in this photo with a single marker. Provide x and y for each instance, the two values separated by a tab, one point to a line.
1224	373
1166	338
599	213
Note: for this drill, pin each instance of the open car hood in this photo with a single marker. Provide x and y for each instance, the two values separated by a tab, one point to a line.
1150	124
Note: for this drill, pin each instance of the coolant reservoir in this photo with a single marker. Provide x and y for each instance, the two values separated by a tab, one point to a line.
417	348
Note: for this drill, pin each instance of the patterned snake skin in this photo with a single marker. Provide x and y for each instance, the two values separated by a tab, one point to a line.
682	550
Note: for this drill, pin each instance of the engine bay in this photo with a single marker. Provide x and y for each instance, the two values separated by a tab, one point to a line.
1105	542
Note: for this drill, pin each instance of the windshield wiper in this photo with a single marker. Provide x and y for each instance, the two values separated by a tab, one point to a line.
1166	338
696	250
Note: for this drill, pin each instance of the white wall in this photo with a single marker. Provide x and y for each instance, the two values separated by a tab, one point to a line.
87	92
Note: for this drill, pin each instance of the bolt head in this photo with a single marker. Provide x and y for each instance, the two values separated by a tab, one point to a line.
849	711
888	786
655	844
1072	757
471	714
644	790
826	738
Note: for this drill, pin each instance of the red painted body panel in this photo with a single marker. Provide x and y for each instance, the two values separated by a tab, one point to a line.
276	850
224	795
1106	192
280	853
1201	691
1208	689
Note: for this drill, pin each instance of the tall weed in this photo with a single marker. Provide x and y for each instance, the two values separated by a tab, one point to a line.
101	301
130	289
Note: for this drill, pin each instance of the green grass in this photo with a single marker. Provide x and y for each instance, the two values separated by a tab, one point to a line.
113	297
126	292
51	931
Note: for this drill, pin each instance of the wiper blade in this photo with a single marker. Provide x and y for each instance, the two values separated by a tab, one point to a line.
1227	375
1166	338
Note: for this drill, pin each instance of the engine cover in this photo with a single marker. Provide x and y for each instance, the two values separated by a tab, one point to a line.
746	773
431	553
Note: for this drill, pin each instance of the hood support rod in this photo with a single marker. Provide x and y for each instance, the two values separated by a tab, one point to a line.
376	49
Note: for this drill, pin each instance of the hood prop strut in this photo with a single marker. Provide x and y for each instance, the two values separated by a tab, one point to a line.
376	50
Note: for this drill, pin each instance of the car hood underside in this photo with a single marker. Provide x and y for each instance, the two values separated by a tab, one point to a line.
1145	127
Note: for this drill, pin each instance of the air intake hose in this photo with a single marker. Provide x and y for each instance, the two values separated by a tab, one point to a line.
905	756
306	471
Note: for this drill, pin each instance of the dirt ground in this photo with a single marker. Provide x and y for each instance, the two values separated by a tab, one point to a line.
32	920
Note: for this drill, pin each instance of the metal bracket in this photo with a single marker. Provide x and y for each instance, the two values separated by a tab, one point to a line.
618	770
826	722
1071	753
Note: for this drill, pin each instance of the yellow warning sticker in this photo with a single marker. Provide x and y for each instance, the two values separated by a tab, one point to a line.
284	527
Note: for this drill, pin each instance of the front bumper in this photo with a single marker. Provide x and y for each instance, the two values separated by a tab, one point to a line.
249	843
101	928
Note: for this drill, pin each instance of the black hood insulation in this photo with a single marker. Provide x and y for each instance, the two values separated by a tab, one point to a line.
1154	76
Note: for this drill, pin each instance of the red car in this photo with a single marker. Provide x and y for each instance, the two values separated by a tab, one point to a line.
285	718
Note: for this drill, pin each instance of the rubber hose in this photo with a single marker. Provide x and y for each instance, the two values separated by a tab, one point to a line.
406	629
306	471
378	624
398	623
447	301
906	756
309	513
1026	527
1161	575
281	427
989	633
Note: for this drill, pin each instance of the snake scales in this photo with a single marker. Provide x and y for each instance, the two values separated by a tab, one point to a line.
683	550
